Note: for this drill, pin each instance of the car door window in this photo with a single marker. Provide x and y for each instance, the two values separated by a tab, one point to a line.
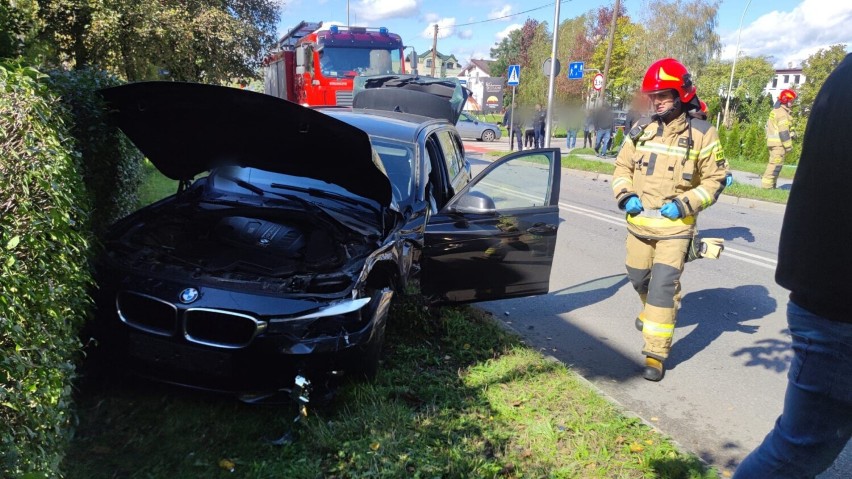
450	154
518	183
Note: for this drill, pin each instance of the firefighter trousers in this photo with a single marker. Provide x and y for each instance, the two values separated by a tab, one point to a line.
654	267
773	169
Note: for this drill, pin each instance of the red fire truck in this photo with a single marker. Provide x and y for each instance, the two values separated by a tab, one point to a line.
316	66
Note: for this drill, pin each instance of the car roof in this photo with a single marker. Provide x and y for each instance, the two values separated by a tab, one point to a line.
388	124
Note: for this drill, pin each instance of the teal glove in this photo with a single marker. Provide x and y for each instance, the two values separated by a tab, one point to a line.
729	180
670	211
633	206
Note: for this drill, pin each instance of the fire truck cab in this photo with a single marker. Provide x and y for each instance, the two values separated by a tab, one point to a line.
316	67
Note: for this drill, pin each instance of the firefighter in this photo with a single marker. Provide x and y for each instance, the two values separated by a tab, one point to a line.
778	138
670	168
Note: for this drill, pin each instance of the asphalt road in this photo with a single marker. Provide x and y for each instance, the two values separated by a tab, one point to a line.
726	375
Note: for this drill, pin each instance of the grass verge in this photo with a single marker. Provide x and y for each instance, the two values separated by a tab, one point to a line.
456	397
787	171
575	162
154	185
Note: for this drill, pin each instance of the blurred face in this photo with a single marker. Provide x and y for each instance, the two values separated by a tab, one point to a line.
661	101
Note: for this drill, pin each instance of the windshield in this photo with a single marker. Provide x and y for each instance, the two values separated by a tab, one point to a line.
398	160
350	62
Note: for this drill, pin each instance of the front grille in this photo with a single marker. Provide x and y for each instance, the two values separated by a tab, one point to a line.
344	98
224	329
146	313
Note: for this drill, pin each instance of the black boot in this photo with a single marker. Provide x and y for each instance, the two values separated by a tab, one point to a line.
654	369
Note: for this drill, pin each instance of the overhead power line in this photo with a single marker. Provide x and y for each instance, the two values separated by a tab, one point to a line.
509	16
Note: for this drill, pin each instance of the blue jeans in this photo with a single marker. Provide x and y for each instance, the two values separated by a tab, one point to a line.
816	422
571	141
539	136
601	141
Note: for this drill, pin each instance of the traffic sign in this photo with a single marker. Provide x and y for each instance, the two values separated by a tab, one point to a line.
598	81
575	70
545	68
514	75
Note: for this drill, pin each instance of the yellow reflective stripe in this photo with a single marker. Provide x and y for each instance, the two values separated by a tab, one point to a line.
661	149
659	222
662	330
620	180
707	149
705	197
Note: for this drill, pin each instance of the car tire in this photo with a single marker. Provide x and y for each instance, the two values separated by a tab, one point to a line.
488	135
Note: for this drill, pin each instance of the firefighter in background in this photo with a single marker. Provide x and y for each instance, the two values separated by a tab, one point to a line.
670	168
778	138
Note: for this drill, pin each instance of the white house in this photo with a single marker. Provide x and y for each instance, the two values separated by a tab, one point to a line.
474	76
788	78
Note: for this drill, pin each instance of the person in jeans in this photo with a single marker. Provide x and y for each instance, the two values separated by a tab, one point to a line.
575	122
813	263
604	121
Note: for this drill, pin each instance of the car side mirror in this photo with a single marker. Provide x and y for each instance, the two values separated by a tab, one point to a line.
475	202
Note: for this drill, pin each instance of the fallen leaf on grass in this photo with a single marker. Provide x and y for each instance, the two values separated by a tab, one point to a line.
227	465
375	446
636	447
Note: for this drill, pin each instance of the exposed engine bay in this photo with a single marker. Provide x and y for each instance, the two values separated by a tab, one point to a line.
265	248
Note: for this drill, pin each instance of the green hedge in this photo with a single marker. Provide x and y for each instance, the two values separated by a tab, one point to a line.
112	166
44	280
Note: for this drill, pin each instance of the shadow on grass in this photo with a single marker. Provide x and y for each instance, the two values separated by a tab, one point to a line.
679	468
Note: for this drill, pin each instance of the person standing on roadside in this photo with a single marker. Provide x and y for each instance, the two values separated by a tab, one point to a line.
604	121
813	263
588	129
539	119
778	138
670	168
573	124
513	116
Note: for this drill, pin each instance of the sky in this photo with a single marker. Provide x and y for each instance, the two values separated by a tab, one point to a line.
787	31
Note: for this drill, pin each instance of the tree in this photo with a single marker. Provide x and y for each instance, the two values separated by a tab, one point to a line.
212	41
681	29
751	76
816	69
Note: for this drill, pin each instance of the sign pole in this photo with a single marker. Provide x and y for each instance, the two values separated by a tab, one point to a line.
552	81
512	119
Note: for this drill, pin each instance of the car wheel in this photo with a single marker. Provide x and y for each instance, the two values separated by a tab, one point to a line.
488	135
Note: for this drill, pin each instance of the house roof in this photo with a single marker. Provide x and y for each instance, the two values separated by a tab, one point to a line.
484	65
428	54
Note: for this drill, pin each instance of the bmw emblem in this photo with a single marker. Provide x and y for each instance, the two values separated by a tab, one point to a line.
188	295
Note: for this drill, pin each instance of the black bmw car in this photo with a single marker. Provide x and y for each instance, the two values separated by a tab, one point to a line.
293	228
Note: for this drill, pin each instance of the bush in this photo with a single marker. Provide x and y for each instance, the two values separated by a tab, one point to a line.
112	166
45	277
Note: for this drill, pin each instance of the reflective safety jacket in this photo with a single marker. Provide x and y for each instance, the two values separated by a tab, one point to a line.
681	161
778	127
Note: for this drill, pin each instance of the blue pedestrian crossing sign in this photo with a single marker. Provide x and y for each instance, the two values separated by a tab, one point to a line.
514	75
575	70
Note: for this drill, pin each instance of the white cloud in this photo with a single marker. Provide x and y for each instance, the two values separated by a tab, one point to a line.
466	34
446	28
506	31
372	10
791	37
504	11
431	18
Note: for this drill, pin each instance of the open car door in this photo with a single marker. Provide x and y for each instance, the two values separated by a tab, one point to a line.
495	239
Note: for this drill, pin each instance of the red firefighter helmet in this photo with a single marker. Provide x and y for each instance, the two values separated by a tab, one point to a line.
786	96
669	74
703	106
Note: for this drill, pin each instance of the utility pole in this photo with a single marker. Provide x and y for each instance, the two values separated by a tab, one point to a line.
434	48
609	49
551	80
733	65
347	15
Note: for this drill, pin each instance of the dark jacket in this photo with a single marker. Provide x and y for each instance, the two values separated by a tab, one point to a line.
815	253
507	117
604	119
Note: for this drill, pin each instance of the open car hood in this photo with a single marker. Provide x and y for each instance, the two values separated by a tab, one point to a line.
426	96
189	128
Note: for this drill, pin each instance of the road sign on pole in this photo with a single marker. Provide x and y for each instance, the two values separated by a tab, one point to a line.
598	81
514	75
575	70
